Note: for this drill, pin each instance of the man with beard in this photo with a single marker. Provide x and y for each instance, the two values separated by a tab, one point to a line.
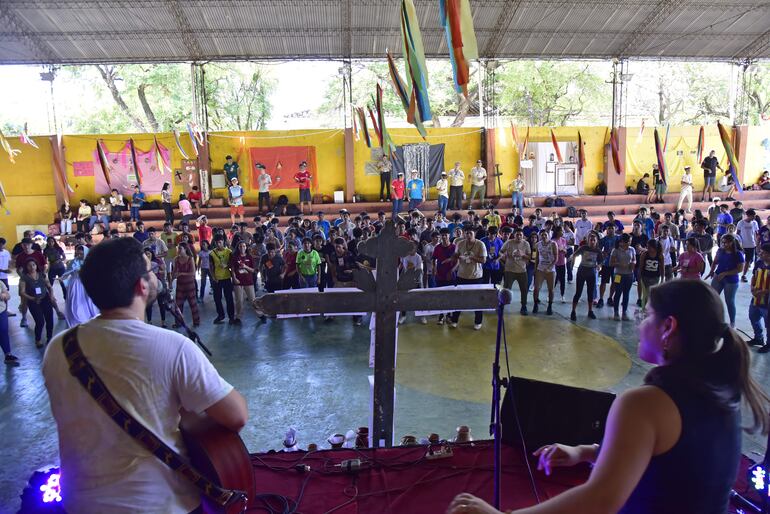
151	372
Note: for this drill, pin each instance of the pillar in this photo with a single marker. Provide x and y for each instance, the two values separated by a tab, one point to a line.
490	161
350	170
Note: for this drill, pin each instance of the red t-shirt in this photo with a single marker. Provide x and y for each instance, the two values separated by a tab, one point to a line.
204	233
23	258
398	188
194	196
290	258
244	277
440	254
303	179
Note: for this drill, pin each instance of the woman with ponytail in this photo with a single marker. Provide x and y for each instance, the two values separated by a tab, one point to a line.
672	445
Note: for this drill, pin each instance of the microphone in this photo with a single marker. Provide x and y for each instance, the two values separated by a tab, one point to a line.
504	296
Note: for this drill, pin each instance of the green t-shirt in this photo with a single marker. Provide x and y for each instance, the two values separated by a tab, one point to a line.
231	171
220	261
308	262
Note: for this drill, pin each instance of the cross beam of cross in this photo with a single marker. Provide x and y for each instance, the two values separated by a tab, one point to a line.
386	295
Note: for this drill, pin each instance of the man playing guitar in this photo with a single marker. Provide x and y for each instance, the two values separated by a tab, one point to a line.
154	374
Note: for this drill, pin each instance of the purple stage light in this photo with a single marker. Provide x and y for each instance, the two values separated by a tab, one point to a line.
51	489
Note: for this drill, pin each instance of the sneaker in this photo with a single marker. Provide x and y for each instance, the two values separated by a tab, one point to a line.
162	324
616	317
563	300
744	279
24	323
358	322
591	315
477	326
11	314
573	316
600	303
38	344
453	324
625	317
523	310
764	349
534	308
423	320
757	341
219	321
440	320
11	359
401	320
549	310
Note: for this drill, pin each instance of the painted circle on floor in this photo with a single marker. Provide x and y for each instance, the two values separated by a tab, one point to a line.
457	363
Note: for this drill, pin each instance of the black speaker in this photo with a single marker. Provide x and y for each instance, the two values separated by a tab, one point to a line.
553	413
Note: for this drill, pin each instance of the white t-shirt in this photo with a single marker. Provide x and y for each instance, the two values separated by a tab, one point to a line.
5	261
264	181
152	373
582	228
686	181
746	230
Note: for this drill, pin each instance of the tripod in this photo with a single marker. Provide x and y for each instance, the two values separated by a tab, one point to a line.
173	308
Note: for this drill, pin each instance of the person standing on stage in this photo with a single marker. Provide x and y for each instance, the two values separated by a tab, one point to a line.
442	188
397	194
685	191
302	178
264	182
416	187
659	183
456	179
137	200
235	197
231	169
478	176
709	166
385	168
517	194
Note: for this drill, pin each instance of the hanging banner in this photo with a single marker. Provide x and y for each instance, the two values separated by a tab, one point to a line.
556	148
731	158
615	153
659	157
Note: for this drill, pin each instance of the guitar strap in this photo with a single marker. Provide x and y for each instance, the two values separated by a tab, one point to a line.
81	369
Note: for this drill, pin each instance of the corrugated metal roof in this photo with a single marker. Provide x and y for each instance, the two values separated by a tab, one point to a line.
90	31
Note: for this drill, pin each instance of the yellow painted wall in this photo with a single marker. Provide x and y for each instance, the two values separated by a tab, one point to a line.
29	186
640	154
461	144
757	153
330	157
593	137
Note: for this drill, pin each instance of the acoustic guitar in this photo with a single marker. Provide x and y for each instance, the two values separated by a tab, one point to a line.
219	454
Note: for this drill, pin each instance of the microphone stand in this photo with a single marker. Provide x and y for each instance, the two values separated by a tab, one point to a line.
495	425
172	307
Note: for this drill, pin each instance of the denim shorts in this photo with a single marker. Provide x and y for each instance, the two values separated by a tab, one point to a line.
709	181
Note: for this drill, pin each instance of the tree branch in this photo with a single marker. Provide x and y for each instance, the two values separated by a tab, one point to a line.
140	92
108	75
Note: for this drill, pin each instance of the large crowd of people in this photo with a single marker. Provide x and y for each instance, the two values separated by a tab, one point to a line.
536	256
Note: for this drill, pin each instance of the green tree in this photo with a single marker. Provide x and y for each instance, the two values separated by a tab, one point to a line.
444	101
758	92
238	96
552	93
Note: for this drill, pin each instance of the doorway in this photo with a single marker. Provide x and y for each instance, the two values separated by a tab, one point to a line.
543	175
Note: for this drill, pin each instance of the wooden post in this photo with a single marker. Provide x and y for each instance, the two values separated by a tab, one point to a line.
350	170
490	163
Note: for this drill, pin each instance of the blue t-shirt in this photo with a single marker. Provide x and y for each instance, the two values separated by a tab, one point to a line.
723	219
493	251
618	226
607	244
529	230
137	199
236	195
726	261
415	187
324	226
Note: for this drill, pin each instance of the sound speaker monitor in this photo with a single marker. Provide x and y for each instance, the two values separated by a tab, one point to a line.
553	413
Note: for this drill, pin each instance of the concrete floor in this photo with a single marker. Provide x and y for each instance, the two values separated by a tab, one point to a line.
313	375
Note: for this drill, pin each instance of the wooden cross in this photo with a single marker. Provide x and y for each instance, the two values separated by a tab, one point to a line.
385	296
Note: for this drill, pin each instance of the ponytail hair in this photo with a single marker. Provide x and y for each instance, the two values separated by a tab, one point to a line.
712	358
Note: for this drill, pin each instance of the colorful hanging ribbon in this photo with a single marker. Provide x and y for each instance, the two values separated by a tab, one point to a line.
135	162
385	141
193	139
659	157
457	20
701	144
615	152
515	137
25	139
4	199
730	155
665	143
525	146
581	155
12	152
364	128
640	134
407	99
418	105
356	132
163	167
375	124
556	147
179	146
103	162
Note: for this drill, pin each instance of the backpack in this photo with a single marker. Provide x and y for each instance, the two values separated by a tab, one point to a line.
549	201
559	202
292	210
282	200
600	189
571	212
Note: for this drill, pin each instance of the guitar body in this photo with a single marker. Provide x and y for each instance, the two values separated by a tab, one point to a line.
219	454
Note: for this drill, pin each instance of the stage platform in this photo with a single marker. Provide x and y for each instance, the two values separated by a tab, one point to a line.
405	480
624	206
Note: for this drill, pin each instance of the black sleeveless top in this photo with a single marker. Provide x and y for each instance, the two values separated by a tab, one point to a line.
697	473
